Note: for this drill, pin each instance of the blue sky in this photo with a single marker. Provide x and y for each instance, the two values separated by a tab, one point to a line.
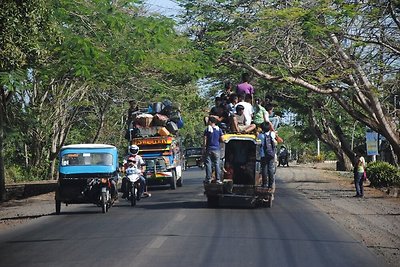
165	7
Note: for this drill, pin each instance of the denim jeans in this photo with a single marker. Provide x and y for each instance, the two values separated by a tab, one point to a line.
358	182
212	159
268	171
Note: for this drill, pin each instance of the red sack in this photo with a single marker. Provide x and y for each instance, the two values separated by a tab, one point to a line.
160	120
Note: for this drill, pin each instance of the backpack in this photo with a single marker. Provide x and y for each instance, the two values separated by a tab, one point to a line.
269	146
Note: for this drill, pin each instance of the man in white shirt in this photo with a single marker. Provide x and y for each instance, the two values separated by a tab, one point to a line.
248	108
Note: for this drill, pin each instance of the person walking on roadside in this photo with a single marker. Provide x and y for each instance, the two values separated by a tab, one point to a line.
211	150
359	170
267	153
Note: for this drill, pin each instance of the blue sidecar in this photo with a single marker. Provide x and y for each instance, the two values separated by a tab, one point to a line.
88	173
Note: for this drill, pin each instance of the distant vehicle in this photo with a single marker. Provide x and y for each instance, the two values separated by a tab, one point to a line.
85	174
194	157
283	157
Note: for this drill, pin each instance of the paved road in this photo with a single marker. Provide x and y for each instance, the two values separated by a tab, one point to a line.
175	228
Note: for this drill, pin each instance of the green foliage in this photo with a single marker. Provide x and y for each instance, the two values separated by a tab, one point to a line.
14	174
85	61
23	27
383	174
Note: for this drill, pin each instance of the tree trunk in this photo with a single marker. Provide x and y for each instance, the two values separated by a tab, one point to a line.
2	167
324	132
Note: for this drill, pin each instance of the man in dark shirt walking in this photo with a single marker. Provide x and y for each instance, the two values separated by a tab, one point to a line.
211	150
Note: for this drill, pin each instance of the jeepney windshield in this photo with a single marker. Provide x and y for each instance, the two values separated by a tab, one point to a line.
193	151
155	165
84	159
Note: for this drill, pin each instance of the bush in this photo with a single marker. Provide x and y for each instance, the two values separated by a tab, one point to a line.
319	158
14	174
383	174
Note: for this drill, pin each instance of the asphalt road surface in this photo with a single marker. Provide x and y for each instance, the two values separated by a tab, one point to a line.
175	228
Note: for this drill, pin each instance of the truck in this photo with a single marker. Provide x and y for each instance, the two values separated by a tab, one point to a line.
163	159
154	129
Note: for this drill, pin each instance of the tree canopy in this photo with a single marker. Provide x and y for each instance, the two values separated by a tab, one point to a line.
343	51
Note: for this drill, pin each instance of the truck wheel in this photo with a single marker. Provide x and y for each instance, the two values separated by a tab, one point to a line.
179	183
212	201
173	180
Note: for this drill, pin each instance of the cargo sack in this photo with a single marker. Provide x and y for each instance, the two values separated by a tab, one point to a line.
175	116
180	123
172	127
144	120
163	131
157	107
146	131
160	120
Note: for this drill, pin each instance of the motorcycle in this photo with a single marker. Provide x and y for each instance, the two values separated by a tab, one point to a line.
283	157
133	177
99	190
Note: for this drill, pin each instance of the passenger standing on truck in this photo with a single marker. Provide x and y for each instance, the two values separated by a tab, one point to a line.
267	154
211	150
245	87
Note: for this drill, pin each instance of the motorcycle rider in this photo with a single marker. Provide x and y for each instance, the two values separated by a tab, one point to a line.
134	157
283	157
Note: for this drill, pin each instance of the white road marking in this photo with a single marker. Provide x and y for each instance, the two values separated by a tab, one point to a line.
157	243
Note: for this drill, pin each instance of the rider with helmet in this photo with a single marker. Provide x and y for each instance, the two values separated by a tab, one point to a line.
134	157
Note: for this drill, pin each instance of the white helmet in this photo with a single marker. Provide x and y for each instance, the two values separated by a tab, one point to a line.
133	149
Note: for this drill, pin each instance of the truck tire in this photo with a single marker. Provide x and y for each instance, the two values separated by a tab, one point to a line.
179	183
212	201
173	180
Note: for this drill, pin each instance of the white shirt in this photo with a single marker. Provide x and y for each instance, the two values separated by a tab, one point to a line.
247	112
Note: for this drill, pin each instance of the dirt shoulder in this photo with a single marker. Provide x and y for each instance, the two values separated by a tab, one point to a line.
373	220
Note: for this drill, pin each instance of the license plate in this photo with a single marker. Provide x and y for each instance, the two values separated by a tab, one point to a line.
104	189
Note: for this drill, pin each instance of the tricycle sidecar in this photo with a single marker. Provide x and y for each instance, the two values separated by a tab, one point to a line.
88	173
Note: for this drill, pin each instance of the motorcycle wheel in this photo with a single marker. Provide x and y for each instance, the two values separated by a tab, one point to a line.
103	202
133	196
58	207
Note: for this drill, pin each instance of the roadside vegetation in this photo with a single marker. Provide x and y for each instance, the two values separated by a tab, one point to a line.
69	67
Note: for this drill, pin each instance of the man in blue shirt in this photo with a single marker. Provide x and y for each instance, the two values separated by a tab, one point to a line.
211	150
267	154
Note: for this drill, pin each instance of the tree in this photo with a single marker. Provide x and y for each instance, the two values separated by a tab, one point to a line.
100	54
24	26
